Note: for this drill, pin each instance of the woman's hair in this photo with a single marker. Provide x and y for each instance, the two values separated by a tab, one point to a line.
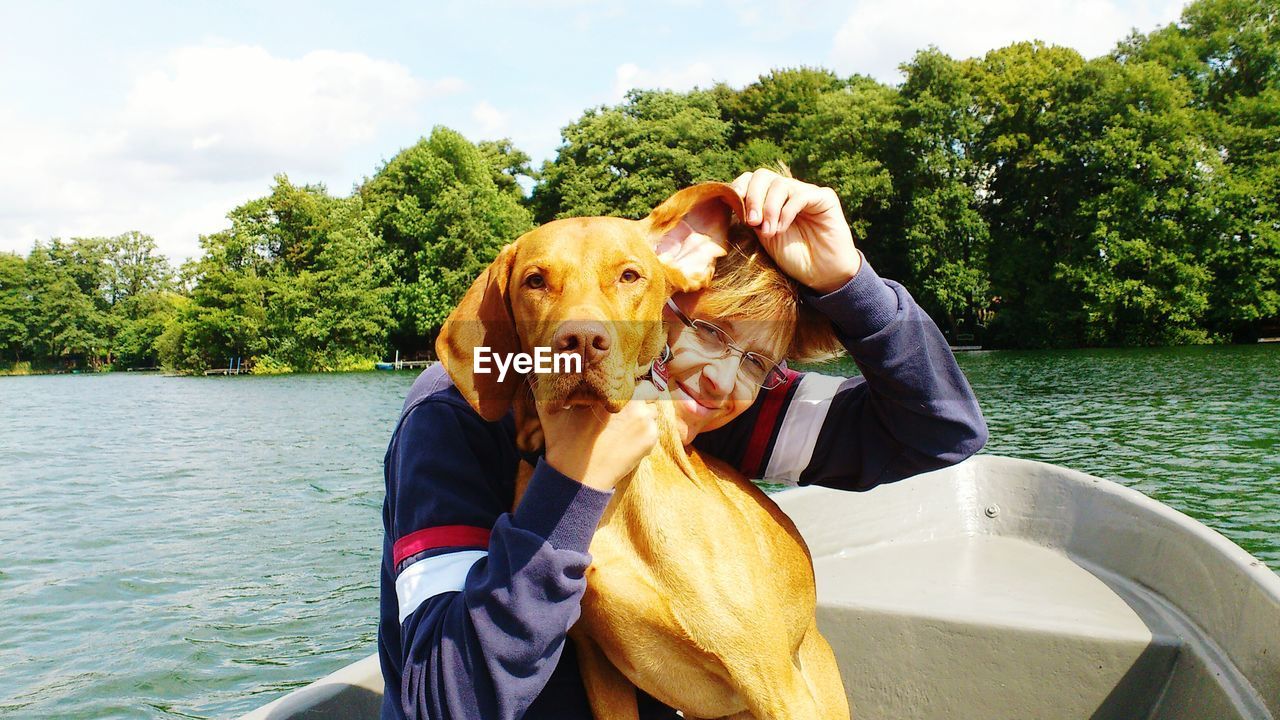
749	286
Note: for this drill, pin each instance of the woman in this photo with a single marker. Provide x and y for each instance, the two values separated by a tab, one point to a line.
476	601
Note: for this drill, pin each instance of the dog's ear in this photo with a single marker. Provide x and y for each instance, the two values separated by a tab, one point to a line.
483	319
690	229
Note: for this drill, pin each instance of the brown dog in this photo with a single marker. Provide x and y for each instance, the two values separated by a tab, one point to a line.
700	590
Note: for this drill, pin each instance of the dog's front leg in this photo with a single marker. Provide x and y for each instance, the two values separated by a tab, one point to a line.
611	694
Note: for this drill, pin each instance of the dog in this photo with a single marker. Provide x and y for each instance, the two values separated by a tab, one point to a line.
700	590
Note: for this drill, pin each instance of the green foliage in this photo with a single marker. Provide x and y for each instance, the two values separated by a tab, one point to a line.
298	281
508	163
174	352
767	112
141	325
330	301
271	365
17	368
1224	49
1228	52
627	159
15	307
1244	256
939	229
88	303
226	317
138	288
134	268
68	323
844	137
443	219
1101	195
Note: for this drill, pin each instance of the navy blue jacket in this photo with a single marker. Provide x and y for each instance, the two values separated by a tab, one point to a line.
476	600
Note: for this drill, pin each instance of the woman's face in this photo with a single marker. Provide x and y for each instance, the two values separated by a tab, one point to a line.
708	392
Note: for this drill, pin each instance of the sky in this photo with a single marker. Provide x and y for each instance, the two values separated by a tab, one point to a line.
161	117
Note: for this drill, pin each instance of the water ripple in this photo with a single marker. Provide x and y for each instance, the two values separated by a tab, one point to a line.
164	548
192	547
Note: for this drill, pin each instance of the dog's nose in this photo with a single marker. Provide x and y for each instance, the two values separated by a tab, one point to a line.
583	336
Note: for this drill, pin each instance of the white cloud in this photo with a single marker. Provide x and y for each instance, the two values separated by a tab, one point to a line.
200	132
702	74
770	20
230	113
446	86
876	37
492	122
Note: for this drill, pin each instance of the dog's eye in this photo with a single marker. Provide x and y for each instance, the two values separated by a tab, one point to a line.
629	276
535	282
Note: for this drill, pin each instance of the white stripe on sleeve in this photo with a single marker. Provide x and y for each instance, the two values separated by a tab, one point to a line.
799	434
431	576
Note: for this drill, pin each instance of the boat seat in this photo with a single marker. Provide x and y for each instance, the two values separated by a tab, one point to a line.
1003	588
924	629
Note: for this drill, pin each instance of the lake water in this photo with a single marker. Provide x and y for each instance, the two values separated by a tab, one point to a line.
194	547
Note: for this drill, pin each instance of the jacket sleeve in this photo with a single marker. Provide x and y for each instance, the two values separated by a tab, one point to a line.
910	411
476	600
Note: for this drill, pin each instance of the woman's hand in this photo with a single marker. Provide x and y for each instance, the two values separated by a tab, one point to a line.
598	448
801	227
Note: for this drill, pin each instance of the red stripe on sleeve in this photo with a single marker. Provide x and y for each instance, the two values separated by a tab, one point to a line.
763	430
438	537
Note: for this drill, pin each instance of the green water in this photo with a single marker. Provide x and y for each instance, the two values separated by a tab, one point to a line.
192	547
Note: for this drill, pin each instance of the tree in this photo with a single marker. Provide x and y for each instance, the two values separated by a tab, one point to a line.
625	160
298	281
842	142
137	283
134	267
145	319
443	220
1228	53
15	306
226	317
766	114
941	233
1100	192
334	313
508	163
1223	49
68	323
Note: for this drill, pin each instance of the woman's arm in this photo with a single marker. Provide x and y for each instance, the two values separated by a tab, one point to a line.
912	410
476	601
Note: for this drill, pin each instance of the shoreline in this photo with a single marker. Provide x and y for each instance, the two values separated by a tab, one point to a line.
6	372
267	369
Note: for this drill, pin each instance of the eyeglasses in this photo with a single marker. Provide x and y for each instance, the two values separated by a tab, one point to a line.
716	343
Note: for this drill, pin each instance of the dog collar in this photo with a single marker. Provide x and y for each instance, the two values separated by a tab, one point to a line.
658	373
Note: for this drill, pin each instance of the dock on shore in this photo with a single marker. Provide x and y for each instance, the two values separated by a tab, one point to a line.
405	364
399	364
234	367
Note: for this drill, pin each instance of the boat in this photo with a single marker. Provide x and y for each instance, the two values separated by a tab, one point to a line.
1006	588
384	366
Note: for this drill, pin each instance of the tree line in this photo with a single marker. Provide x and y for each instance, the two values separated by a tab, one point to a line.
1029	198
